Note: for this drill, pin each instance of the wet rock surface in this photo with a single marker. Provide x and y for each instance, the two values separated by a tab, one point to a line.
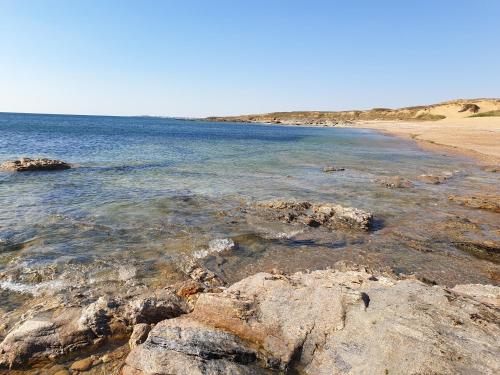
326	215
332	168
27	164
395	182
327	322
491	168
482	202
433	179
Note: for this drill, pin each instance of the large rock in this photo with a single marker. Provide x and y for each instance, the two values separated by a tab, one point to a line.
72	330
27	164
327	322
328	215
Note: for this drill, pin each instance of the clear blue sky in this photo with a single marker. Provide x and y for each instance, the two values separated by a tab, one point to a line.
196	58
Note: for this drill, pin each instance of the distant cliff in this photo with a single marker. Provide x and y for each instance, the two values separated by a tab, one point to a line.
454	109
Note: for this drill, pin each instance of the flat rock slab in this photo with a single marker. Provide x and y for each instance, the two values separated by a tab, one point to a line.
27	164
328	322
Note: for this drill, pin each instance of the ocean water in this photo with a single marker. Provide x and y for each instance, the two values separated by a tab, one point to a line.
147	191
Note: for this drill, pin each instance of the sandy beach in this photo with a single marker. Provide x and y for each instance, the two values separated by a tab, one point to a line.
475	137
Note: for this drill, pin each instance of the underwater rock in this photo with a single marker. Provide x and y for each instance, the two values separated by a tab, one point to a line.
328	215
395	182
215	246
482	202
332	168
491	168
194	270
432	179
27	164
326	322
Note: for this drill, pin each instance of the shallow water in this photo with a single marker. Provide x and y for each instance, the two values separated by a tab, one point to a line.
148	190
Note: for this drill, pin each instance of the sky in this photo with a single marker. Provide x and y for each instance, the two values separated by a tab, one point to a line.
199	58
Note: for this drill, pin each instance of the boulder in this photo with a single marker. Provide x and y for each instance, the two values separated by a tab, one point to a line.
77	329
327	322
328	215
27	164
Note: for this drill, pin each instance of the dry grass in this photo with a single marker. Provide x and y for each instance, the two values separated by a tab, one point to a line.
487	114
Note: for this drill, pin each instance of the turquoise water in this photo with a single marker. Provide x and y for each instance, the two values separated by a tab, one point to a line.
147	190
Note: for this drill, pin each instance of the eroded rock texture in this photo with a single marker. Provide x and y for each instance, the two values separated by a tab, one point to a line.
27	164
326	215
328	322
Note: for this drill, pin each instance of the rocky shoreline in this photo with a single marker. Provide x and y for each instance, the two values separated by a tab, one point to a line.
348	319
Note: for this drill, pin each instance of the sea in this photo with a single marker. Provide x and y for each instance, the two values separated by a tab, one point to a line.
146	193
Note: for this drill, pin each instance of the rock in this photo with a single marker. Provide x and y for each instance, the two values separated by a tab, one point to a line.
432	179
215	246
326	322
72	330
139	334
62	372
151	309
190	347
189	288
489	250
194	270
331	168
96	316
331	216
41	338
487	294
27	164
395	182
82	364
482	202
491	168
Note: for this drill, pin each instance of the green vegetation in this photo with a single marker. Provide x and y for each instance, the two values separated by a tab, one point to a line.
429	117
487	114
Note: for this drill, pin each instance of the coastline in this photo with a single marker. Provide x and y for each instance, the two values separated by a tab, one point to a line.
477	138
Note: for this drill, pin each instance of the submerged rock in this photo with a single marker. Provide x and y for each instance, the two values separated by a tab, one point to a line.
194	270
395	182
332	168
327	215
491	168
327	322
482	202
216	246
432	179
27	164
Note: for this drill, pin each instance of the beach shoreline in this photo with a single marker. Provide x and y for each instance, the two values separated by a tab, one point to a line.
476	138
